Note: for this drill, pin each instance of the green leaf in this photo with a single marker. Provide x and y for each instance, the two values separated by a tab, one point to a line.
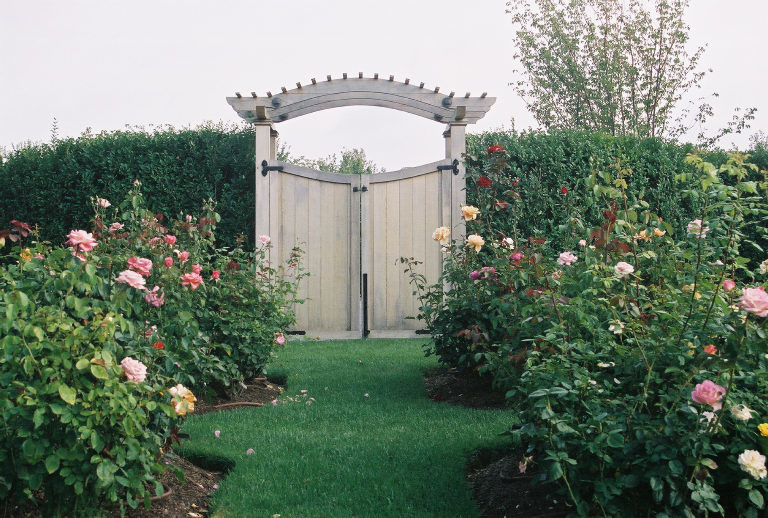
82	364
99	372
68	394
52	463
756	497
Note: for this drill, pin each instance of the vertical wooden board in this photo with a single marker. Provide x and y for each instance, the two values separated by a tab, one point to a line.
357	258
315	251
393	244
302	234
342	278
404	248
274	218
445	200
433	257
301	214
420	203
377	276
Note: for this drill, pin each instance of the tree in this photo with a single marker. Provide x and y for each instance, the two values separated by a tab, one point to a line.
617	66
353	161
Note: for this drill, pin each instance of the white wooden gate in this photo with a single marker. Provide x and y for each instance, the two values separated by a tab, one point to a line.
354	228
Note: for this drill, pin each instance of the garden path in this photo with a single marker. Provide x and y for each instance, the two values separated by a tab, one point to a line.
353	435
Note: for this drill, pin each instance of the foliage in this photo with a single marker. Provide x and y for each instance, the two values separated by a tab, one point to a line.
173	309
50	184
541	164
604	343
352	161
616	67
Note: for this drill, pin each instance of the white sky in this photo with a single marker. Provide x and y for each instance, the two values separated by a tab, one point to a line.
106	64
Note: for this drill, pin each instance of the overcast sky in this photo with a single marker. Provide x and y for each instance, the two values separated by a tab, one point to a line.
107	64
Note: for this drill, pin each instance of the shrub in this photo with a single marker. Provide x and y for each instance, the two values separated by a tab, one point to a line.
170	307
636	354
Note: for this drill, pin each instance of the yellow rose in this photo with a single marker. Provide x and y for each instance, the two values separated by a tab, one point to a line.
26	254
469	212
658	232
441	234
475	242
642	235
183	399
763	427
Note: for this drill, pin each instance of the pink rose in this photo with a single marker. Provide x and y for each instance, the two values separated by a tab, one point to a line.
155	298
197	268
754	300
697	228
170	239
710	349
154	241
140	265
134	370
279	338
136	182
623	269
82	240
215	274
475	275
516	256
168	261
193	280
566	259
582	242
115	227
183	256
264	240
189	218
132	279
728	285
217	433
103	202
708	393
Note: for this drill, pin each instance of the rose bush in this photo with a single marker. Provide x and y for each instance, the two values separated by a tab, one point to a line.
637	373
100	345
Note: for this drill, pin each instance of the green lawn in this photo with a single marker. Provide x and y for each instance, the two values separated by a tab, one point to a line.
392	453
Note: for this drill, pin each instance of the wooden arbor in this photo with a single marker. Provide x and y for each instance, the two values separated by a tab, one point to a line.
353	228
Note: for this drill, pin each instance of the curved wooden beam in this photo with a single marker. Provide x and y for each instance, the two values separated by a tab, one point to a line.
361	91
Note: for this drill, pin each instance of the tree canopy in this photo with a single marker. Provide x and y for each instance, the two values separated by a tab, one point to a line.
616	66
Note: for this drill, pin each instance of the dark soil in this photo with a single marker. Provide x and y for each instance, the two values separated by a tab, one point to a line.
498	486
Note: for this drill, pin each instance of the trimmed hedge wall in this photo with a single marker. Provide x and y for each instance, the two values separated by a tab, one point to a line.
51	184
544	163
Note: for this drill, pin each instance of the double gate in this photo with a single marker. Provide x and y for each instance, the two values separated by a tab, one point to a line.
354	228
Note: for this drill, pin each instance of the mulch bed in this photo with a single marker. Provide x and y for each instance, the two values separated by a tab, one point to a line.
498	486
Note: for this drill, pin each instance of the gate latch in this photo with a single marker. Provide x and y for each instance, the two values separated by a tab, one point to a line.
453	167
265	168
356	189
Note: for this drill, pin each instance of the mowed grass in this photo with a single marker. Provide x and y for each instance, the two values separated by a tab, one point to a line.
392	453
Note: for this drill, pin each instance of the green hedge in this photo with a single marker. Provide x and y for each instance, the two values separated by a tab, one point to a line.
50	184
544	163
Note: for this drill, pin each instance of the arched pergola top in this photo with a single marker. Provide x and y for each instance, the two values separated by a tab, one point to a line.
361	91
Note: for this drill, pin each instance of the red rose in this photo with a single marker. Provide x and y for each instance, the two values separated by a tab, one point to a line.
158	345
495	149
484	182
515	182
564	190
501	204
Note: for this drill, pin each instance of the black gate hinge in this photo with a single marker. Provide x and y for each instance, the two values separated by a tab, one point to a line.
453	167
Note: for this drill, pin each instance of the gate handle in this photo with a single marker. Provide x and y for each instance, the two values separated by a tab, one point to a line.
356	189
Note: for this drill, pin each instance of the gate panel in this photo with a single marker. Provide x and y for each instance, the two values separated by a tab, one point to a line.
318	215
405	207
